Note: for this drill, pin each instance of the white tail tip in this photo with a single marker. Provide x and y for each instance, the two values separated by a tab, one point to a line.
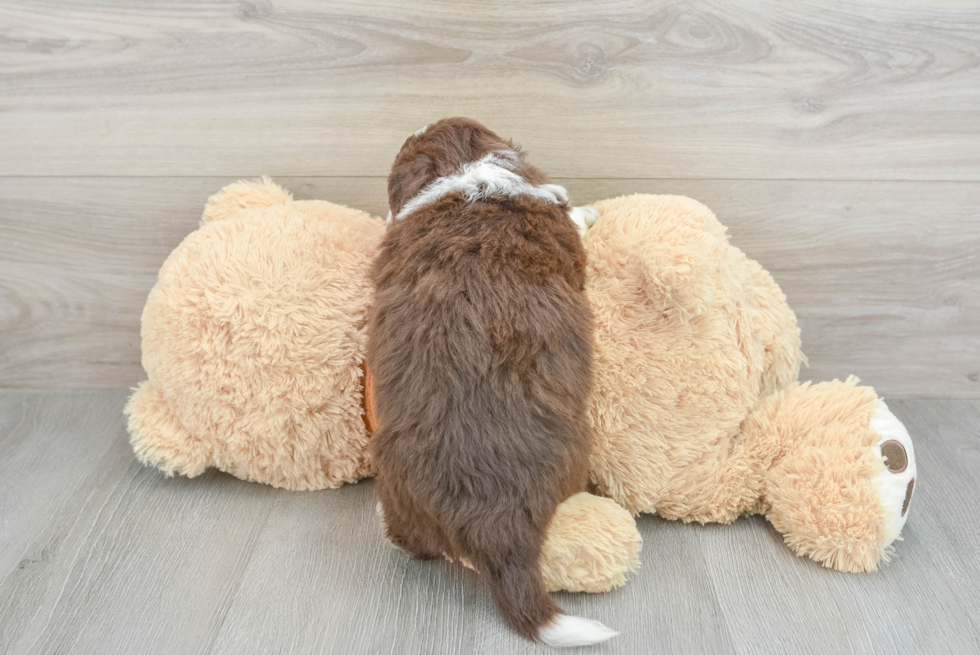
565	631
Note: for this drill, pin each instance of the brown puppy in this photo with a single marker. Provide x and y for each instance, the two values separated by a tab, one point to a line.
480	341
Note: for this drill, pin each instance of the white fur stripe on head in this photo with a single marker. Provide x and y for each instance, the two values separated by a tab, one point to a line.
481	179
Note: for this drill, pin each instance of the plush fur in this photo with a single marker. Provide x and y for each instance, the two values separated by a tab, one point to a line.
480	343
706	335
592	544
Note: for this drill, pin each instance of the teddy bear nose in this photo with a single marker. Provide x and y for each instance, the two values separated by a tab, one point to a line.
896	459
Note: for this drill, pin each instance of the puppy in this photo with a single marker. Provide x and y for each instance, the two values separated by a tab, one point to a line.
480	342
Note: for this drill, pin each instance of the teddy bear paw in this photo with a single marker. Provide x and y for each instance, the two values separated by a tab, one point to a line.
896	480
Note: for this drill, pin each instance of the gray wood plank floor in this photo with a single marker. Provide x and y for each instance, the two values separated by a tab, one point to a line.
100	555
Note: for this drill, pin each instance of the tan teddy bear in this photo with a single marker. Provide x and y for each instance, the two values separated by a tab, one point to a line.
253	343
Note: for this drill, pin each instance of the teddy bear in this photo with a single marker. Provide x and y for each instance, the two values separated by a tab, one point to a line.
253	344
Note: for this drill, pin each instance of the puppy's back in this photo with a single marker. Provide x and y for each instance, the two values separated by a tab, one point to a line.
480	343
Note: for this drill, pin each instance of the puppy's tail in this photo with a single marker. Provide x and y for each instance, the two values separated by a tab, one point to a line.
510	567
565	631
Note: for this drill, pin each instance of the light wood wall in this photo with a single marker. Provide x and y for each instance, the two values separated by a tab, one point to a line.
839	141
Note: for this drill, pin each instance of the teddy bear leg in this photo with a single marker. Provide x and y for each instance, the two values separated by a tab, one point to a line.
158	438
591	545
840	487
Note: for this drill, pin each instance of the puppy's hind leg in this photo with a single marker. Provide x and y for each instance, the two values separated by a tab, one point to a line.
407	528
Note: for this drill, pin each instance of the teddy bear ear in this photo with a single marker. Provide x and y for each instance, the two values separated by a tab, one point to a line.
244	194
678	278
666	245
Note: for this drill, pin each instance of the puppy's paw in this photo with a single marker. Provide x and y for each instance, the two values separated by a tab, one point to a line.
583	218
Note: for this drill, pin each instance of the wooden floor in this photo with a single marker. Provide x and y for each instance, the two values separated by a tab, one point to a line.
100	555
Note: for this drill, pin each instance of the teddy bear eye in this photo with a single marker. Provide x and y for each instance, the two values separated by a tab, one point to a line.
896	460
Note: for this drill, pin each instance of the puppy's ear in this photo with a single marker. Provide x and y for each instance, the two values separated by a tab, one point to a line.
408	178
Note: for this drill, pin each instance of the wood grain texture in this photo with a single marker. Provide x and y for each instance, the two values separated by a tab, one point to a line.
124	549
884	276
119	559
608	88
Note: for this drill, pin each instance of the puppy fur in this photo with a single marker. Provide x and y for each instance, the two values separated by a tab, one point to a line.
480	342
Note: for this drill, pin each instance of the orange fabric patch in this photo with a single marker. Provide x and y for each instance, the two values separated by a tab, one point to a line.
370	413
